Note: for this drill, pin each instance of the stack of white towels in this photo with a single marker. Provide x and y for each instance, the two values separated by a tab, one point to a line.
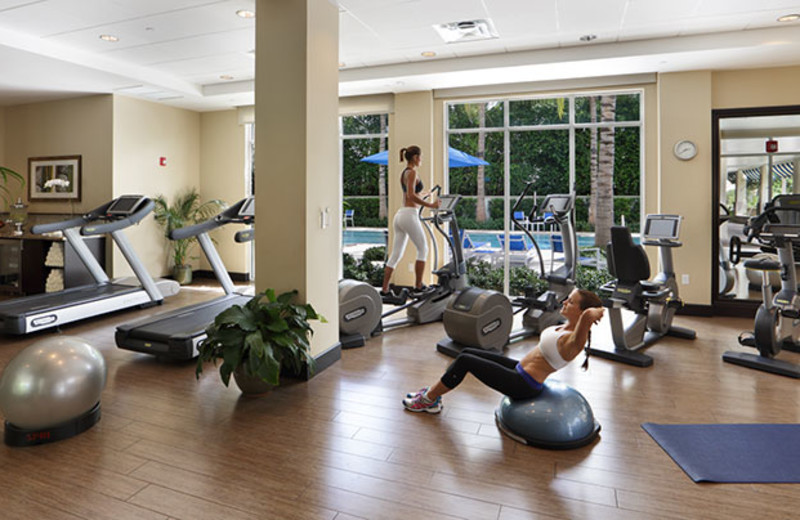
55	258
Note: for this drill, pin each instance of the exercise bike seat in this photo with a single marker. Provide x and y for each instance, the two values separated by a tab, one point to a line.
627	260
762	264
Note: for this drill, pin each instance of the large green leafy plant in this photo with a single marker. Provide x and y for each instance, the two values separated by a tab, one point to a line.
266	335
5	175
187	209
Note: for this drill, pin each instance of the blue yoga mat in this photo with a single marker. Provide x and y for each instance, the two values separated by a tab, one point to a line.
743	453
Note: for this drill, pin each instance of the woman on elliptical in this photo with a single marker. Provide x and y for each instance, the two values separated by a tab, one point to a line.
406	223
558	345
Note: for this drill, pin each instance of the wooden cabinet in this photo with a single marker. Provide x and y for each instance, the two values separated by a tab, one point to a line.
24	268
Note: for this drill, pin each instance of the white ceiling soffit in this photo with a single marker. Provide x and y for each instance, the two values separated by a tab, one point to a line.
196	54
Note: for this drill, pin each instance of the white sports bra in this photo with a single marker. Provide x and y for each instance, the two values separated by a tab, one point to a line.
548	344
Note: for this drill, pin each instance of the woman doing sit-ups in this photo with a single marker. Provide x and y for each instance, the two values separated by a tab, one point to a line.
558	345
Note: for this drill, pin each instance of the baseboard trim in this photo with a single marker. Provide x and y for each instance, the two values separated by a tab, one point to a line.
323	360
693	309
236	277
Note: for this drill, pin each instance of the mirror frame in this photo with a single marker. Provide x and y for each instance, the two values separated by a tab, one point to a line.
727	306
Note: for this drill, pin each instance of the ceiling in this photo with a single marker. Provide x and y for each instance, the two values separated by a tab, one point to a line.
198	54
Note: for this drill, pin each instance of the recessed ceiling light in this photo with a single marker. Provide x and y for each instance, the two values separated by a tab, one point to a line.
243	13
109	38
226	77
789	18
427	54
588	37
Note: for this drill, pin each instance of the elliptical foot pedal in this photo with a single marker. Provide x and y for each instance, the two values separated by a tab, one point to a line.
747	339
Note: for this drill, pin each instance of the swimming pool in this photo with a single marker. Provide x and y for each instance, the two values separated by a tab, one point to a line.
486	238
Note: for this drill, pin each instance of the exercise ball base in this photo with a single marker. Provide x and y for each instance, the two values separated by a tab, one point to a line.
16	436
559	418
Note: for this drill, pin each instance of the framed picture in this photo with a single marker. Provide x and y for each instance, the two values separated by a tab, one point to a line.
55	178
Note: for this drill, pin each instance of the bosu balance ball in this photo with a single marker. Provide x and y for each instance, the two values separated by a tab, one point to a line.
559	418
51	391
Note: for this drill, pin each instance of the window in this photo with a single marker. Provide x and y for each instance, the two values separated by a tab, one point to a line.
590	145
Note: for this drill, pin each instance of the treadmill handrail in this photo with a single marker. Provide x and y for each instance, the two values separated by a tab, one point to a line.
81	220
230	214
122	223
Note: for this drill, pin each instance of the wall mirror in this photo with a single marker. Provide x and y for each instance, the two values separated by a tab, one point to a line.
756	157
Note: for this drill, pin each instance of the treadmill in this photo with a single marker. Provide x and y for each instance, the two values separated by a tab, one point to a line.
42	311
175	335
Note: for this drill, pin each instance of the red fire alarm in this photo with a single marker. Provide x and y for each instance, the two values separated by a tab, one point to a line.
772	146
162	161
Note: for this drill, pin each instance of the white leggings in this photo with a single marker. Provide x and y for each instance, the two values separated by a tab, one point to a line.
407	225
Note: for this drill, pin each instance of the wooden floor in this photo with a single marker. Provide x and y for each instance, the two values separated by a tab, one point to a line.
341	446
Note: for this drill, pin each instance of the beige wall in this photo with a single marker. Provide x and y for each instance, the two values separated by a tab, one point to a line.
297	151
756	87
411	124
79	126
144	132
685	186
223	157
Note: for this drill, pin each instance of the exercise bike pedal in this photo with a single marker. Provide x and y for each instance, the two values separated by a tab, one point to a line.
747	339
676	303
791	314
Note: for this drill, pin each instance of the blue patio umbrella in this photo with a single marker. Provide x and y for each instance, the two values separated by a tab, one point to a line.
457	158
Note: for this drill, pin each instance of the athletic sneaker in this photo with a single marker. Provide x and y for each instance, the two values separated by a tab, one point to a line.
419	403
412	395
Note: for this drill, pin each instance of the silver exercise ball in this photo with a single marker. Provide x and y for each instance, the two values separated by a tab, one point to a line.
51	382
558	418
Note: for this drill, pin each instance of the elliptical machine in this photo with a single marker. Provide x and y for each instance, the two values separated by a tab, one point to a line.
484	319
654	302
361	306
778	318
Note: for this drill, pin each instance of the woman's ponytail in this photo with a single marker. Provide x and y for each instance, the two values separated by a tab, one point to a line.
402	154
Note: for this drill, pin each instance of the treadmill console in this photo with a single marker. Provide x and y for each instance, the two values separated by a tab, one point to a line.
559	204
662	227
248	209
448	202
125	206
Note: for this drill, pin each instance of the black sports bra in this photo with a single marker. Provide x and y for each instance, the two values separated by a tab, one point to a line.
417	188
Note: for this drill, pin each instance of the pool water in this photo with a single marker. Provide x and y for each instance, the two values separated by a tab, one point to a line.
479	238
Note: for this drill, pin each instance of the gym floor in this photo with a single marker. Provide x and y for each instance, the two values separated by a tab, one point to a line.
341	446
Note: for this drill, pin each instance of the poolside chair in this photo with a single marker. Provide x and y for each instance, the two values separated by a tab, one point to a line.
519	251
349	215
522	218
556	246
471	248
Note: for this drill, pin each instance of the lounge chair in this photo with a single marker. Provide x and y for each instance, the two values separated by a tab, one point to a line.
471	248
349	215
519	251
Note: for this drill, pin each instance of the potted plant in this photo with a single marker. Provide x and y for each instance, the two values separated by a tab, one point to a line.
258	341
5	193
186	210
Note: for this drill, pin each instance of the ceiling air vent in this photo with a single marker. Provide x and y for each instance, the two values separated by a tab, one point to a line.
468	31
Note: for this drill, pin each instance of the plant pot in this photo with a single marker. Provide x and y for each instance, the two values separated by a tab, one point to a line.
251	386
182	274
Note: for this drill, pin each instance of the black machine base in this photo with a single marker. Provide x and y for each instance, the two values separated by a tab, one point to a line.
635	358
629	357
16	436
451	348
774	366
538	443
352	340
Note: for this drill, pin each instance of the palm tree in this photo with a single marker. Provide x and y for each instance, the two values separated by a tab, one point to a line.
5	175
604	212
186	210
382	205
